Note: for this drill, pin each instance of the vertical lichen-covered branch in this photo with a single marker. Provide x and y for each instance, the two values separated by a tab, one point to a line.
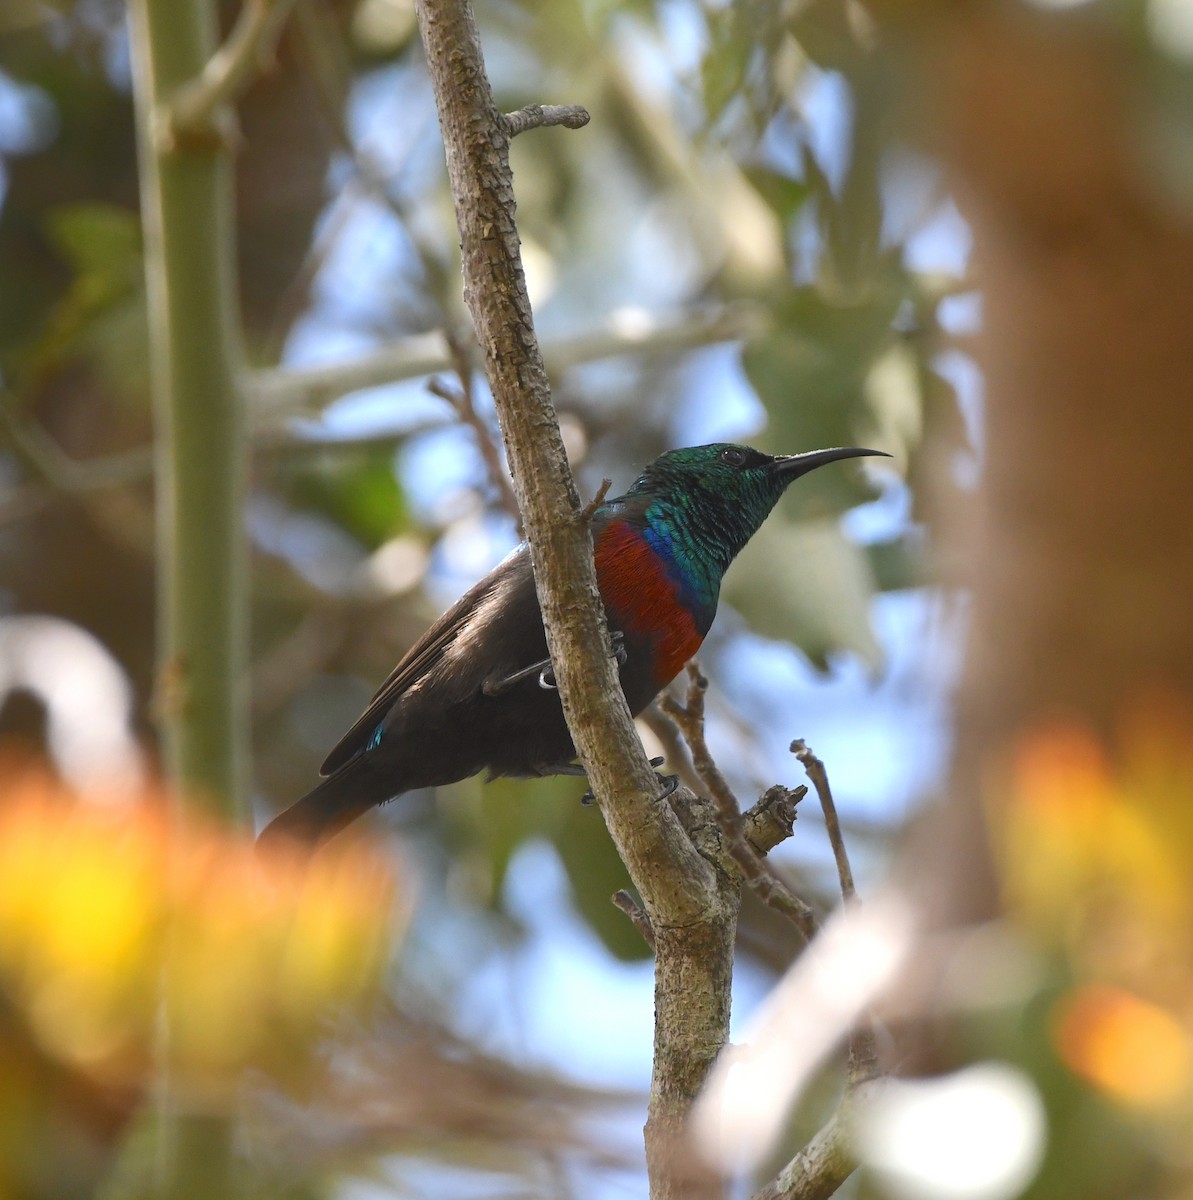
682	895
476	140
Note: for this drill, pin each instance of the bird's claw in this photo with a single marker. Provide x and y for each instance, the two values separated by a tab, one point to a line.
669	782
619	651
546	675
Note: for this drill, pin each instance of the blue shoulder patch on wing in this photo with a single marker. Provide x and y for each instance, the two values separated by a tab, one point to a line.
375	740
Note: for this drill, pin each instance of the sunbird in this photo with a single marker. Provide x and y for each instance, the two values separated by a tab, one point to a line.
476	691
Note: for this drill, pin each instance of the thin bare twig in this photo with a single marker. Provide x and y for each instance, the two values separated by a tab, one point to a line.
374	178
863	1051
535	116
819	777
774	893
762	880
589	510
675	749
690	719
632	909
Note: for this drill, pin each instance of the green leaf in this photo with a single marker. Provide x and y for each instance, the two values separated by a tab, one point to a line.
359	491
97	240
596	872
902	562
723	71
948	437
827	35
893	390
784	194
810	371
807	583
491	820
102	316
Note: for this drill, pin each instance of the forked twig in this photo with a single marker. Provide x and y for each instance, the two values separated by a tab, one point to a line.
249	47
762	880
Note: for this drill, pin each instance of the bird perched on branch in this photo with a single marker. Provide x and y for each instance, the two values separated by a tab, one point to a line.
477	692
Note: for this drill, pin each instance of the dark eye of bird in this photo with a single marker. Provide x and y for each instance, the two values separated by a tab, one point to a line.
734	456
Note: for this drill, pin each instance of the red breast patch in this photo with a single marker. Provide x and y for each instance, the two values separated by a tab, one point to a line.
642	597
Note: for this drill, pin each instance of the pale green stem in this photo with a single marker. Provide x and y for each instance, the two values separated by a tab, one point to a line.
186	203
187	210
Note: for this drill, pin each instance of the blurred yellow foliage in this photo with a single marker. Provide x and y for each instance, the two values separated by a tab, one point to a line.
113	919
1096	858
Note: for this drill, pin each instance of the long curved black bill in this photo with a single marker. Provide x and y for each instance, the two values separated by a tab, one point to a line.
792	466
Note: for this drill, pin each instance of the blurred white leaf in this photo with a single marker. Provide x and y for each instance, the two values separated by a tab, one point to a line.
977	1134
87	697
848	966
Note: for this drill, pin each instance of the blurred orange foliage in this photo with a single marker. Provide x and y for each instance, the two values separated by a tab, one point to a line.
1128	1048
1096	853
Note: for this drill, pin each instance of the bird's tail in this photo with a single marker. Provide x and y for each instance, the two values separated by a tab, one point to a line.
327	809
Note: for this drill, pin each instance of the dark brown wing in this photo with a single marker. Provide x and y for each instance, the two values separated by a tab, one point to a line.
423	656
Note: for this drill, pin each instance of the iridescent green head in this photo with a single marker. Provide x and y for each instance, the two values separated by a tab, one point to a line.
731	487
715	497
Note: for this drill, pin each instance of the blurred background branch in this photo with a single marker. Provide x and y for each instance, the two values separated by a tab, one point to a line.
193	109
291	392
